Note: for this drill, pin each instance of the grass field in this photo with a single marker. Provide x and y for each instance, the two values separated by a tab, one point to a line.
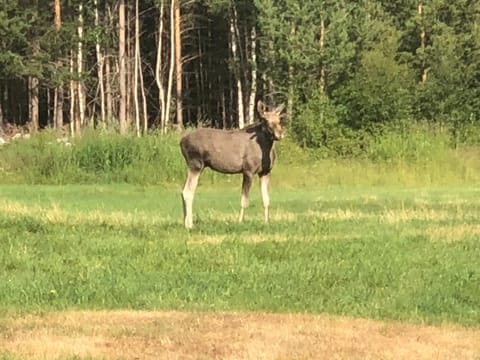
381	253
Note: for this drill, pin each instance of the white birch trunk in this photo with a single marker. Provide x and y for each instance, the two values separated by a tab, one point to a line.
81	90
73	117
135	77
172	62
236	64
144	97
100	65
122	68
322	51
423	35
108	87
33	100
158	69
58	91
178	65
253	84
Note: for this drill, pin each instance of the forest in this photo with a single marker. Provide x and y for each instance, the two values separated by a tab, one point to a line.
345	69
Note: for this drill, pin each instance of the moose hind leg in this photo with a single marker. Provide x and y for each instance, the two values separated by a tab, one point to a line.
264	182
247	183
188	194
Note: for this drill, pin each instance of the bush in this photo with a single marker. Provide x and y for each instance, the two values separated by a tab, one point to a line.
315	122
379	93
317	127
94	157
409	142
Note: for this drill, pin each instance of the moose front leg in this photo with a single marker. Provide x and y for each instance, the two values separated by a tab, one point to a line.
264	182
188	194
246	184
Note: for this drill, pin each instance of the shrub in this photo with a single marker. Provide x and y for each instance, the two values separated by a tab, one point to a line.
94	157
379	93
317	127
410	142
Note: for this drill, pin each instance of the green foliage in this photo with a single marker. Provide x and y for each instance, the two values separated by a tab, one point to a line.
94	157
317	126
316	121
379	92
414	143
367	57
419	153
366	252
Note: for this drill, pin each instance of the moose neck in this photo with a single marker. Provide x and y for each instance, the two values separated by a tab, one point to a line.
263	137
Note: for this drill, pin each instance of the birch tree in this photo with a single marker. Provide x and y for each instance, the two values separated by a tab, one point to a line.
172	63
159	79
234	42
137	67
58	91
100	64
178	62
80	83
122	67
253	83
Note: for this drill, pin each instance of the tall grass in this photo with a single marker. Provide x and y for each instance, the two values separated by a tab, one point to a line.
94	157
397	157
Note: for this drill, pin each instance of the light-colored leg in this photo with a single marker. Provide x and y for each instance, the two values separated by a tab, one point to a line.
188	194
247	182
264	181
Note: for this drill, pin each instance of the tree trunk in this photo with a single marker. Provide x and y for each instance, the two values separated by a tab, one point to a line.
322	50
58	107
172	62
109	106
80	84
33	101
122	68
75	124
236	65
33	87
291	87
58	92
108	91
130	66
144	97
253	84
2	118
178	64
100	64
135	75
159	70
423	69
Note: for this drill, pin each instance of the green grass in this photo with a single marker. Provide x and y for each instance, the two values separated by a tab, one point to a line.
97	157
378	252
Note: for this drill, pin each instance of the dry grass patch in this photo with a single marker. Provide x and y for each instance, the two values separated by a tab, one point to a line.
55	215
258	238
179	335
200	239
404	215
453	233
339	214
282	215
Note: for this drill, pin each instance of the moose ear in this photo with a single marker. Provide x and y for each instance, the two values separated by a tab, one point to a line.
279	109
261	108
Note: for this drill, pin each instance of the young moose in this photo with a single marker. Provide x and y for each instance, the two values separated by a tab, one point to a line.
248	151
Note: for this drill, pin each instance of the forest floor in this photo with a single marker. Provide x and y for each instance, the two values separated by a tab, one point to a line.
200	335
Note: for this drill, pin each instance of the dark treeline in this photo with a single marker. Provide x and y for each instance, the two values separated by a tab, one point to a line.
342	67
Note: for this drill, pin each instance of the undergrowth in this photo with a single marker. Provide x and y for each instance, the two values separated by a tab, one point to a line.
398	156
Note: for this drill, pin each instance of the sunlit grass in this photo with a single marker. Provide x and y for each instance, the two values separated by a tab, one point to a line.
381	252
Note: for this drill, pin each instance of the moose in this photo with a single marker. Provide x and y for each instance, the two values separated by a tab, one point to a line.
248	151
